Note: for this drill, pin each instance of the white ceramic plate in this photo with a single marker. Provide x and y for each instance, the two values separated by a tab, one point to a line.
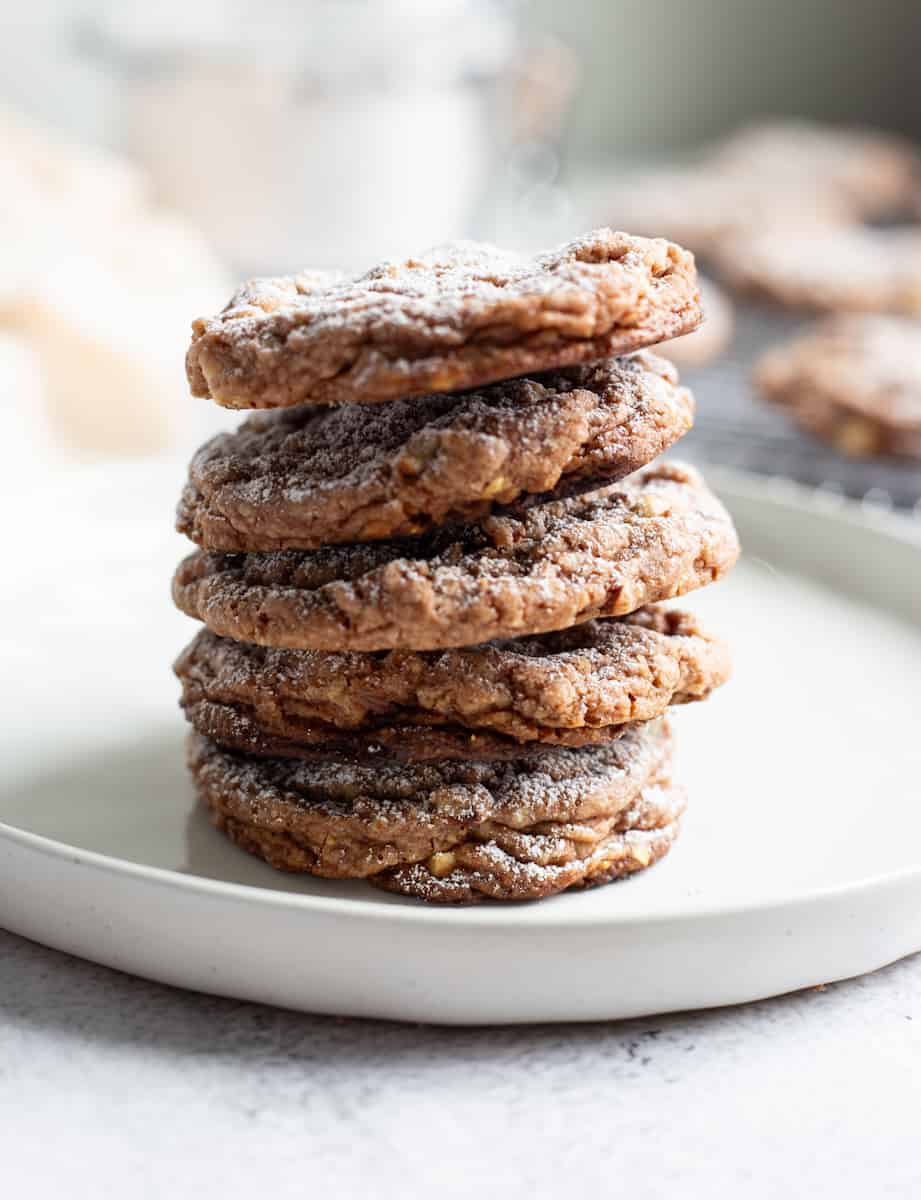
800	860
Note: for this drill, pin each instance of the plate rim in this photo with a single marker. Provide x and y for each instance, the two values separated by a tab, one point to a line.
500	917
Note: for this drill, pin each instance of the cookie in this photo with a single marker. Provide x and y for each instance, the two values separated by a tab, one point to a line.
306	477
575	687
459	316
854	381
532	864
453	830
238	729
711	338
703	207
873	173
778	175
657	535
835	270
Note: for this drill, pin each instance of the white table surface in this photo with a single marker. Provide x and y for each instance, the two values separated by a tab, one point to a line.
112	1086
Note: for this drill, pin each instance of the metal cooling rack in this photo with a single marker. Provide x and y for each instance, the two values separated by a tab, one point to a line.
736	427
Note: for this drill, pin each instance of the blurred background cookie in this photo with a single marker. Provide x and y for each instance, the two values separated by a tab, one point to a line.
854	381
836	270
778	175
869	172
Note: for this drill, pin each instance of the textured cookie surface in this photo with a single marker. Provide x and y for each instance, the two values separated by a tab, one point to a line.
575	687
308	476
455	830
458	316
657	535
854	381
835	270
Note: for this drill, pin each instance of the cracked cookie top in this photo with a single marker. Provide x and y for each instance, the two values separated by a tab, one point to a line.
657	535
308	476
579	686
458	316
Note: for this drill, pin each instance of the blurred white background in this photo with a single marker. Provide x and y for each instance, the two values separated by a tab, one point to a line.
655	71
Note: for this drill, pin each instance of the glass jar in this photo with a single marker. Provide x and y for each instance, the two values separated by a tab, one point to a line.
316	134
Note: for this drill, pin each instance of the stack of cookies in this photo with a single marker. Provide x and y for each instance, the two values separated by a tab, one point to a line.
429	575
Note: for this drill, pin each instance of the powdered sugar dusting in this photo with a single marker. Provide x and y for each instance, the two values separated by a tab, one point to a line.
659	535
454	317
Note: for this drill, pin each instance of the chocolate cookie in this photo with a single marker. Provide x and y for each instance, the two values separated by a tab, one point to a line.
659	534
454	830
307	477
778	175
835	270
533	863
459	316
854	381
575	687
873	173
703	206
